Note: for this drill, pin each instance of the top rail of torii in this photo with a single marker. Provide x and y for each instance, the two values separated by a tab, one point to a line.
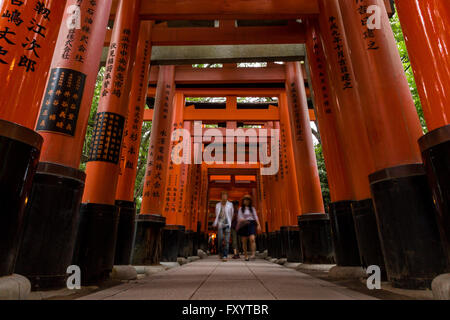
227	9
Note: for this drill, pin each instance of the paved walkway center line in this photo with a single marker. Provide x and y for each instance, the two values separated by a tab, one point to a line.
203	282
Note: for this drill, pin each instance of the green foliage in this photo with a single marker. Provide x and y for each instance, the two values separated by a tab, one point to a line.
400	39
142	163
323	176
91	123
207	65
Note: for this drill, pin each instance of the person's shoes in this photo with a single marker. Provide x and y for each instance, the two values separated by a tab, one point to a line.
246	259
252	258
224	259
236	256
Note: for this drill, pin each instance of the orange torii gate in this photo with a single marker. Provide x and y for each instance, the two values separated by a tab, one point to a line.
384	173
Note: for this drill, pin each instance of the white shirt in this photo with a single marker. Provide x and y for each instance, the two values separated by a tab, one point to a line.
229	211
247	214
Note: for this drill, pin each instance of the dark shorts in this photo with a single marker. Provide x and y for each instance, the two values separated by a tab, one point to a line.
248	230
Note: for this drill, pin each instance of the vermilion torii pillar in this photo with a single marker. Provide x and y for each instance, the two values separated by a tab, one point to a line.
99	216
154	193
302	141
184	185
28	33
202	197
339	179
280	182
157	162
131	146
425	26
54	205
351	130
333	151
399	186
288	188
172	188
278	203
287	163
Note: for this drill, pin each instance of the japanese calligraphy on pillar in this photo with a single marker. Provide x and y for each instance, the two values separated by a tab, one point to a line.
107	137
133	147
78	52
118	51
298	128
368	34
62	101
190	198
135	117
338	43
173	183
155	164
203	194
33	37
196	193
183	173
158	153
319	58
284	163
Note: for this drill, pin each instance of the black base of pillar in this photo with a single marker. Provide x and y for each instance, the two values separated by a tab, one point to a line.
291	241
147	249
195	243
188	244
280	250
367	234
203	242
315	238
343	234
264	242
271	244
19	155
172	241
407	226
182	242
53	213
435	147
96	241
258	242
125	232
284	241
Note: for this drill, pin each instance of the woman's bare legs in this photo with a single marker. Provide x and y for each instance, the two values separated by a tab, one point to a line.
253	245
244	245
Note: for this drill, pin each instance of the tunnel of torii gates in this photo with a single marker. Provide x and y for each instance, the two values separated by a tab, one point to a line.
389	183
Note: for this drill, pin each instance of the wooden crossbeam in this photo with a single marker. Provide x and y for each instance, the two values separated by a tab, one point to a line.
293	33
225	9
244	169
229	9
274	73
213	115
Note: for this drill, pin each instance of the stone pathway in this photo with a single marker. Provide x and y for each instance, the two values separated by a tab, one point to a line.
212	279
